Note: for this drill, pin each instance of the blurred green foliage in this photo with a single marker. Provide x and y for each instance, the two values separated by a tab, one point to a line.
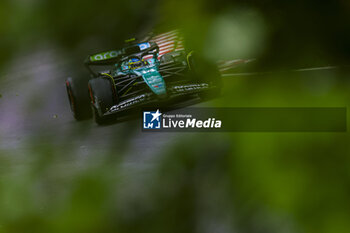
298	32
240	182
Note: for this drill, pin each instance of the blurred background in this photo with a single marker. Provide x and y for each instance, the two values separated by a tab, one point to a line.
58	175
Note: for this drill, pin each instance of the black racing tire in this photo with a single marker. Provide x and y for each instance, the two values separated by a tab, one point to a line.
78	97
100	120
202	70
103	97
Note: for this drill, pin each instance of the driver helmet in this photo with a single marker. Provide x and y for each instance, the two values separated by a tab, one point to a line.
135	63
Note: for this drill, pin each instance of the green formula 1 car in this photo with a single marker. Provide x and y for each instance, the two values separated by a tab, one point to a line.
138	76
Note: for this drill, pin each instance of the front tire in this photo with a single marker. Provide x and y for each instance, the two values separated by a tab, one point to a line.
103	97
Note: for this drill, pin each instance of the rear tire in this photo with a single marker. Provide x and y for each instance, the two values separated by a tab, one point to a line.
203	71
78	98
103	97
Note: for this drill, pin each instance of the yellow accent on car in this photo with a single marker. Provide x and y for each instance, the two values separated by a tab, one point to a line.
188	62
111	77
130	40
128	90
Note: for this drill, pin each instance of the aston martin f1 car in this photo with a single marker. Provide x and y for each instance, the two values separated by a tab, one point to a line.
137	76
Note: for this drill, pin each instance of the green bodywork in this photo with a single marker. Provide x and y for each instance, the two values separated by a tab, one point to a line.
153	79
149	73
105	55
